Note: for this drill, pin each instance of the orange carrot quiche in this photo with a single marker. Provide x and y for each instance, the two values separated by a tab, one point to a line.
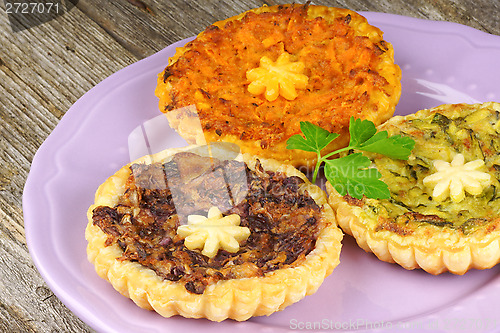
204	235
250	79
444	210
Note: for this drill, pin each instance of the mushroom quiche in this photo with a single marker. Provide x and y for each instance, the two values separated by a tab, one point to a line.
250	79
444	210
204	234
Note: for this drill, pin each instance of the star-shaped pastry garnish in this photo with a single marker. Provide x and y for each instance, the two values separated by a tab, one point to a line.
282	77
455	178
213	232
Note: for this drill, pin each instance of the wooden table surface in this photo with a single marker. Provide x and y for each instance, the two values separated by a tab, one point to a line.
46	68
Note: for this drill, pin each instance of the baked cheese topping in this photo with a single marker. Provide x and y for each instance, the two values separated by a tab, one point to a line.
213	232
418	194
455	178
273	79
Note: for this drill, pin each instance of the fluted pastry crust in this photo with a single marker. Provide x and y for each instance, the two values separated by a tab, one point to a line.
350	71
413	230
237	299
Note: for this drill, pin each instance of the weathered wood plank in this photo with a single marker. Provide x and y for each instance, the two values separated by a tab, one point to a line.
26	304
43	71
145	31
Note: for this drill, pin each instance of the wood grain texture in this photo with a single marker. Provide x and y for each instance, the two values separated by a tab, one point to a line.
148	31
45	69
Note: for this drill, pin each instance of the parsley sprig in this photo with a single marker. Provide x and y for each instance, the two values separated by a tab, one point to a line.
352	173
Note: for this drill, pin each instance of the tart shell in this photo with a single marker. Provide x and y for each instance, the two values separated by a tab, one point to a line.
203	90
237	299
444	251
435	249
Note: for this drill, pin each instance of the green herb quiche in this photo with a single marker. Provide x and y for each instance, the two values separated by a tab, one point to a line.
444	210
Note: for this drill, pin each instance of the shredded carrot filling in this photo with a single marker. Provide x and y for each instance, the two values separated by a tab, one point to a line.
342	69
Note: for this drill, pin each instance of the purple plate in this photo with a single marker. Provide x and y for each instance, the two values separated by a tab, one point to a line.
118	120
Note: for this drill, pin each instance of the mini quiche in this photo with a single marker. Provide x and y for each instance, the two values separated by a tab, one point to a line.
185	232
250	79
444	210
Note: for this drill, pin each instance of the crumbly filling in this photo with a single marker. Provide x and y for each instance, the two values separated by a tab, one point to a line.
474	133
344	70
284	223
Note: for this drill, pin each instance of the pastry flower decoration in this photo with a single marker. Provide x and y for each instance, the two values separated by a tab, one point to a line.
282	77
455	178
213	232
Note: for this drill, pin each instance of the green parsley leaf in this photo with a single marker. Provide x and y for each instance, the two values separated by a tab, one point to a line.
364	136
397	147
360	131
351	175
315	138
